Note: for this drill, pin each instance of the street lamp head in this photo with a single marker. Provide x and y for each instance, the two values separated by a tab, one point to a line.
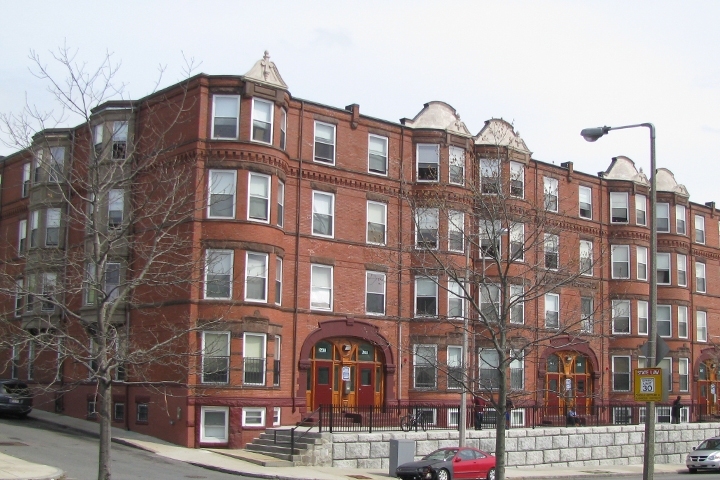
592	134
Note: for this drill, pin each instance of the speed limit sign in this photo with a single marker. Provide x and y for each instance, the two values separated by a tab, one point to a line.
648	385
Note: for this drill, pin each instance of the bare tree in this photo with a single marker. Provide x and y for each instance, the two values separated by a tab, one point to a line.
116	197
494	250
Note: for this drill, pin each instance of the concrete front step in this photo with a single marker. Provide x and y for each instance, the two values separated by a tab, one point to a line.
269	439
278	451
254	457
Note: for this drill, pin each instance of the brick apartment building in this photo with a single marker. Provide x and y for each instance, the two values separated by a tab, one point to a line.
312	232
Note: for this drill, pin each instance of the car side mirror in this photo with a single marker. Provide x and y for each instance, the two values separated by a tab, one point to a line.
694	448
458	459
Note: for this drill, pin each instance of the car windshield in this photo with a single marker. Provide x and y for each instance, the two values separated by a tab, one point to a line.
16	389
710	444
441	454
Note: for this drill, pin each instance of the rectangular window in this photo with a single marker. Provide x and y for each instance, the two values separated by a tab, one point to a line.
98	134
376	222
699	277
119	140
259	198
621	374
663	217
456	300
428	163
377	154
218	273
57	160
262	120
456	231
490	179
664	320
642	317
49	284
620	261
490	235
585	200
118	412
278	280
22	237
425	366
324	143
91	407
15	363
454	368
90	286
618	207
621	317
517	242
321	281
682	270
276	364
517	304
215	357
283	128
699	229
586	314
489	303
25	180
640	210
52	227
426	228
256	273
680	227
702	326
34	225
586	258
552	251
38	165
457	165
552	310
254	345
226	113
489	363
551	194
642	263
276	416
281	205
662	260
116	199
323	214
31	291
375	293
214	424
253	417
682	322
19	284
426	296
112	281
684	374
517	370
517	179
222	187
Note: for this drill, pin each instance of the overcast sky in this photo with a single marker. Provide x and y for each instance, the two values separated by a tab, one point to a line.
549	67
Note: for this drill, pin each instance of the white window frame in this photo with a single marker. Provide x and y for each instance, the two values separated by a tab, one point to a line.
375	284
627	373
517	177
427	147
52	223
22	237
665	318
701	326
204	437
119	140
587	317
619	202
700	277
642	263
324	141
256	412
376	154
422	361
551	247
254	196
26	168
640	207
34	227
456	230
454	367
455	295
490	235
680	220
373	210
263	357
283	128
111	281
683	374
56	164
643	317
488	363
331	214
517	304
490	176
614	252
663	263
270	124
682	270
116	203
215	117
585	193
662	212
552	306
19	297
456	162
229	189
49	287
276	416
489	302
517	363
278	280
229	274
586	258
256	271
281	205
428	283
316	290
700	229
621	306
517	242
682	327
223	352
551	198
426	217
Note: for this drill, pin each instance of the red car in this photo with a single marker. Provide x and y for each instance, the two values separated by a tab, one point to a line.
450	463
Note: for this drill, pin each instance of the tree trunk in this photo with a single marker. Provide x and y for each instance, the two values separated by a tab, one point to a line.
105	394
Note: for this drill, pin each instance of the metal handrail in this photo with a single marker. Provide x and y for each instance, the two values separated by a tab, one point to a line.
292	430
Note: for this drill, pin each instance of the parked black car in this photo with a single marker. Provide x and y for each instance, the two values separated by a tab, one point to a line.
15	398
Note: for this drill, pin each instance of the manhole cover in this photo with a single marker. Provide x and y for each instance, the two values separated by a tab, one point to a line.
12	444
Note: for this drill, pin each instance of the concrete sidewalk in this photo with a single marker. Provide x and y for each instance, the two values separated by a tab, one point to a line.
230	461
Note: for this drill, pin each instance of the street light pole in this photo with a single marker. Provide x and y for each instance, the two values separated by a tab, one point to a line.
591	135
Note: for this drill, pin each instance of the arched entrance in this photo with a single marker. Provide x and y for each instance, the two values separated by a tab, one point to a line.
569	381
346	362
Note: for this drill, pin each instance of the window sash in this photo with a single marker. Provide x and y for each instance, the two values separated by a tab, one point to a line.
490	179
552	251
551	194
323	214
281	204
585	202
222	186
218	273
226	113
254	347
664	320
682	322
682	270
426	228
586	314
701	326
662	261
640	210
552	310
375	293
642	263
700	277
428	163
680	222
457	165
376	222
215	357
618	207
324	143
377	154
517	304
621	374
256	273
214	424
262	121
662	217
643	317
456	300
621	317
426	296
699	229
425	366
586	258
456	229
321	287
620	261
116	199
517	179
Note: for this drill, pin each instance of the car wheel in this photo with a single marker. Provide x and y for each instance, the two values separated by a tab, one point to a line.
443	475
692	470
491	474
